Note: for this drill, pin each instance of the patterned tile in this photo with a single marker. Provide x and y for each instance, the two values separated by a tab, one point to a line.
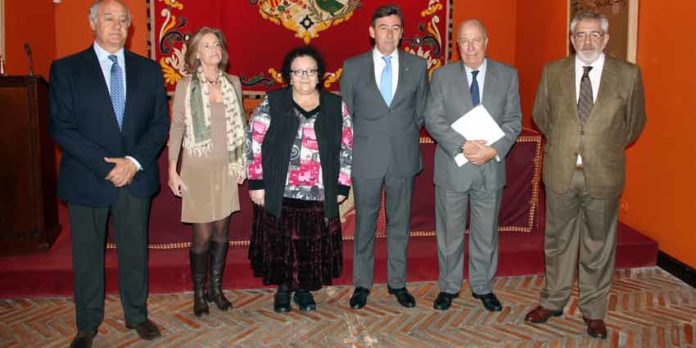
647	308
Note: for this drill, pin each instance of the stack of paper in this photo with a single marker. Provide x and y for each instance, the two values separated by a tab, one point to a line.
477	124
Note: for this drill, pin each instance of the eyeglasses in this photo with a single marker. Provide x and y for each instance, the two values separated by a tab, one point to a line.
303	73
594	35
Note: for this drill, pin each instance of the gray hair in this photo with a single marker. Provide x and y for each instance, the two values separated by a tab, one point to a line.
94	11
476	22
603	21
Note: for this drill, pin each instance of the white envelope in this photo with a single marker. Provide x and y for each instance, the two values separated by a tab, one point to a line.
477	124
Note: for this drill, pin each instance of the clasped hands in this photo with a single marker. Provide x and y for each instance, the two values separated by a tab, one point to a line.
477	152
123	171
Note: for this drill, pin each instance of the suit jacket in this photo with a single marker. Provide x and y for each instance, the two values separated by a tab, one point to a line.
450	99
83	123
617	118
385	136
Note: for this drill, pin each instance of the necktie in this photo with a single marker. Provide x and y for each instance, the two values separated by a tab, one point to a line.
385	83
474	89
118	95
585	101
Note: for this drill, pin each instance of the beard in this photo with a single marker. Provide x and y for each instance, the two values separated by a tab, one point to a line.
588	56
588	52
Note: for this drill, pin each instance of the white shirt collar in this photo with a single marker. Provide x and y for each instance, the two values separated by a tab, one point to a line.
377	55
481	69
103	54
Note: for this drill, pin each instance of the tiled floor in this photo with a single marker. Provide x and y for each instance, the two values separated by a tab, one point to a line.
648	308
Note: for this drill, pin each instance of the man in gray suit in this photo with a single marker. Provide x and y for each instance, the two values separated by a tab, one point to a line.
385	90
456	89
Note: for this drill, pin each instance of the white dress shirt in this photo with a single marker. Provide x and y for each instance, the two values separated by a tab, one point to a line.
480	78
380	64
595	75
105	63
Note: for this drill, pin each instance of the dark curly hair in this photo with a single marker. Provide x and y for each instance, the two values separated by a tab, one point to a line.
303	51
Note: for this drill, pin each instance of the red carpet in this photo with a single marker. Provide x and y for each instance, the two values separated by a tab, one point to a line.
51	273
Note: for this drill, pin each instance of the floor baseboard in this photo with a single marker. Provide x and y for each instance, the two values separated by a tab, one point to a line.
677	268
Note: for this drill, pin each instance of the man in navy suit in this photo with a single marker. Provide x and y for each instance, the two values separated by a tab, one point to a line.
108	112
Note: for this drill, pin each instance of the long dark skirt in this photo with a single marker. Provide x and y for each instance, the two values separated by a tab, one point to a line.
300	249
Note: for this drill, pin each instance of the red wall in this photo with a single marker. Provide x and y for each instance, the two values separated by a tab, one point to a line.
660	193
32	22
72	31
541	36
499	18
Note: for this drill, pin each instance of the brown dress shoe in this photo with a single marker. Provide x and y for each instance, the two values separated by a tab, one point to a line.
147	330
541	315
596	328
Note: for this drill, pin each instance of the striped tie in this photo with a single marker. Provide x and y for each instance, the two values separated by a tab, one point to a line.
118	95
585	101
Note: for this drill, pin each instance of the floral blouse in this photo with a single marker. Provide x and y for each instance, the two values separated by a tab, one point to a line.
304	179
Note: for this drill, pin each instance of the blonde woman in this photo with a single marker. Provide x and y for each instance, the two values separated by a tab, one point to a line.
208	120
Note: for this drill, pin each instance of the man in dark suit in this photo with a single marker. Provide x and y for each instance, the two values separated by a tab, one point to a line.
108	112
456	89
385	90
590	107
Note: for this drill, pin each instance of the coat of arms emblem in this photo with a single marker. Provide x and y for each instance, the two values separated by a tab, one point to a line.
307	17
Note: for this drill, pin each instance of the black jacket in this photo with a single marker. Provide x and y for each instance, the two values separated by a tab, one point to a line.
277	144
82	122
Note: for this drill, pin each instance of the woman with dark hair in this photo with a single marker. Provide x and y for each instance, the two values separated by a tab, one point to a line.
300	152
208	118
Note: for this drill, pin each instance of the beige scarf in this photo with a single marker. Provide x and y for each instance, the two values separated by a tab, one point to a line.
198	141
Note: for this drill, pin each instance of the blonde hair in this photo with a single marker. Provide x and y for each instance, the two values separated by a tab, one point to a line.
191	60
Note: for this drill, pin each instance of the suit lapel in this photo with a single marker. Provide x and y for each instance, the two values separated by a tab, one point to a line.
606	85
101	87
404	68
370	62
131	74
490	85
463	81
568	94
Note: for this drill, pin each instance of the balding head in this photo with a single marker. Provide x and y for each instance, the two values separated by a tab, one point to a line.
472	39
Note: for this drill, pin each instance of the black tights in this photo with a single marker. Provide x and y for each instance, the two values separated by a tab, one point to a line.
203	233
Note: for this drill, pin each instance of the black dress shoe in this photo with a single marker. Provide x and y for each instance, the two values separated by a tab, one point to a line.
359	298
83	339
147	330
281	302
405	299
304	300
490	302
444	301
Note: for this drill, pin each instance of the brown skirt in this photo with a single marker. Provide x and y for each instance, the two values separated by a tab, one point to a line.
301	249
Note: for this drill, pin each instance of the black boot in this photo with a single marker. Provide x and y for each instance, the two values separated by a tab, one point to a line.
199	268
281	300
218	256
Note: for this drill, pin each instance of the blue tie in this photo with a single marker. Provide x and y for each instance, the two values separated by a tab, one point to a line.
385	83
474	89
118	95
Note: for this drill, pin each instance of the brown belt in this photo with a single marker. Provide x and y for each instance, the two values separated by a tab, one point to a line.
579	167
